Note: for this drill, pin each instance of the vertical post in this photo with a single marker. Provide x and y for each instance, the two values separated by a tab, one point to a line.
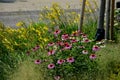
82	15
107	20
100	34
112	20
101	14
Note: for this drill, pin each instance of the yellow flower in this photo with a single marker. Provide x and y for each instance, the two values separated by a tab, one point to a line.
32	28
67	6
51	9
21	36
45	28
46	7
73	13
40	38
19	24
16	44
22	29
38	32
40	18
9	47
41	15
6	41
45	39
87	3
86	10
53	23
90	10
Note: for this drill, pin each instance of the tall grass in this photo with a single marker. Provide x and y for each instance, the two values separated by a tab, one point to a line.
109	62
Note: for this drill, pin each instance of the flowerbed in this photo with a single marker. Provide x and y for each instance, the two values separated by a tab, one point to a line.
70	55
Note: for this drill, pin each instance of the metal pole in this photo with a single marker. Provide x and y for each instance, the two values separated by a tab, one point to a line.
100	34
107	20
82	15
101	14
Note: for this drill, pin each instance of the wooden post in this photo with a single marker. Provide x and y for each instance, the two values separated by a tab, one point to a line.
112	20
107	20
82	15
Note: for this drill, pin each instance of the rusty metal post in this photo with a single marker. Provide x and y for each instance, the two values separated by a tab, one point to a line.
112	20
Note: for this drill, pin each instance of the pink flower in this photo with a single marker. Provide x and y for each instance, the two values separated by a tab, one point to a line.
36	48
93	56
84	36
57	77
51	52
85	40
66	43
51	66
37	61
73	41
67	46
60	43
85	52
51	44
65	37
57	32
70	59
95	48
82	47
60	61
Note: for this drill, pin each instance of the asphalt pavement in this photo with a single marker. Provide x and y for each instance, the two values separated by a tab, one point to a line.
26	10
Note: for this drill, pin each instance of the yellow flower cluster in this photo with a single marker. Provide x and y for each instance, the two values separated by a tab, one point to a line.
56	15
20	24
23	38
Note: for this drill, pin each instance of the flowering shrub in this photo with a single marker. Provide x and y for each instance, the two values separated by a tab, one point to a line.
70	54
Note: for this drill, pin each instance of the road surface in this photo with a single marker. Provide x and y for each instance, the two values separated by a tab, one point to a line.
24	10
